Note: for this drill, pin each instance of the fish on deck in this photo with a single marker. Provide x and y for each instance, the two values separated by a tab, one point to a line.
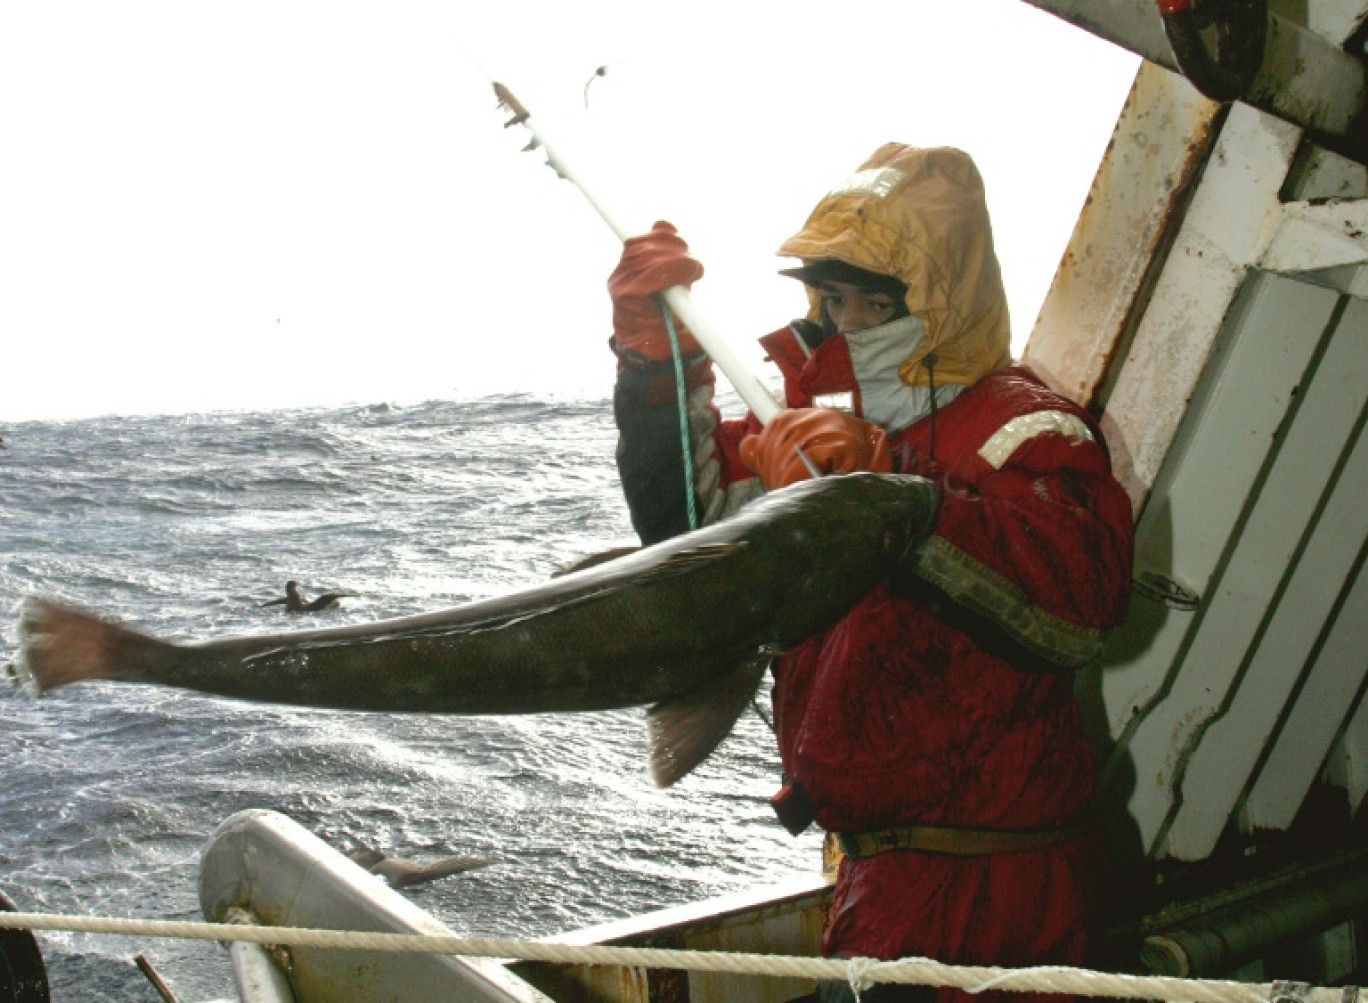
687	626
295	602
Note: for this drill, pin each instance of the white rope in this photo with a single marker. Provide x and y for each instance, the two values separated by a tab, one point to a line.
860	972
993	983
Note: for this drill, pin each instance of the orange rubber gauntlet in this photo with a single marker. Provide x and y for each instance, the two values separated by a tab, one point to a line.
651	263
835	442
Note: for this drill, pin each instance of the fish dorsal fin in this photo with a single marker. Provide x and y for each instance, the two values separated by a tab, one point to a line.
683	731
685	560
594	560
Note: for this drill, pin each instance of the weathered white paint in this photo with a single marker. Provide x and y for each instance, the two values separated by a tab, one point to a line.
1225	230
1311	237
1323	175
1159	144
1278	592
1178	679
1335	20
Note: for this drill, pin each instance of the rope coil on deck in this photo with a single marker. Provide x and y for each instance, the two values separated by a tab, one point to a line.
861	972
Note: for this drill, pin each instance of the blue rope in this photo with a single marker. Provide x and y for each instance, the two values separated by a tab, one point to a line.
683	413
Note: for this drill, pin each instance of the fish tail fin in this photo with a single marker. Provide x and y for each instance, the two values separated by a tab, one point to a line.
60	645
684	730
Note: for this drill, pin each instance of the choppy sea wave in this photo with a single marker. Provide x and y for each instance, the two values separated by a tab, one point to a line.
184	525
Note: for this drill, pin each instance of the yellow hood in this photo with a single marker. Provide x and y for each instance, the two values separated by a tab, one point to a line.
920	215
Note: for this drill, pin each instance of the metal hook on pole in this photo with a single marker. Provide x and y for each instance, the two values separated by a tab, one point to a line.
756	396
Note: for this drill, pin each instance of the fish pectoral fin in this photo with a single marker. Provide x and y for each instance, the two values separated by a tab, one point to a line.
684	730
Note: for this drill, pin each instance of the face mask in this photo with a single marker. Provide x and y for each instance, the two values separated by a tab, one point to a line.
875	355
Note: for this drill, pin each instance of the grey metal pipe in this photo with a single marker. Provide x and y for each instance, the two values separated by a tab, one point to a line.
1235	936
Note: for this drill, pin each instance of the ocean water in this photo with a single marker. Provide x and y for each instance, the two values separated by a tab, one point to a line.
183	525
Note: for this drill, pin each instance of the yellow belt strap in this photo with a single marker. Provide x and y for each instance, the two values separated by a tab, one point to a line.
945	839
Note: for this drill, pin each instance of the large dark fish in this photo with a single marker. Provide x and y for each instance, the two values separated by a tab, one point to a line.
687	625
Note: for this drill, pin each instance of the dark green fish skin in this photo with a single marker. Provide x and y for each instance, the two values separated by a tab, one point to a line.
641	629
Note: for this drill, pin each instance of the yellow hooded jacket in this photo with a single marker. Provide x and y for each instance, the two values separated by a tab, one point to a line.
920	215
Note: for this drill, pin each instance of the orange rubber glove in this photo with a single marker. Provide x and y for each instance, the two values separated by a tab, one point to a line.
835	442
651	263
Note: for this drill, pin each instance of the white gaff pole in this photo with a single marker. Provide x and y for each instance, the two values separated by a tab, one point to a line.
748	386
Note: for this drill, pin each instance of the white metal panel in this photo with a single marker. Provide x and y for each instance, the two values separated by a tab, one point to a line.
1335	19
1351	280
1329	694
1324	175
1196	507
1225	230
1269	552
1315	236
1158	699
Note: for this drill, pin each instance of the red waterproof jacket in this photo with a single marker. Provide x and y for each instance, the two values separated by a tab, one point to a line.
951	705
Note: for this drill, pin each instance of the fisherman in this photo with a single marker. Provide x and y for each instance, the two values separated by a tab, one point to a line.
933	731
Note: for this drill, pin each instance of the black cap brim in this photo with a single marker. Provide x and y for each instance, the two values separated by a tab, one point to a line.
823	270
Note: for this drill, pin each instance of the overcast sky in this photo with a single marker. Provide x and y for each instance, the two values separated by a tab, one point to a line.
270	203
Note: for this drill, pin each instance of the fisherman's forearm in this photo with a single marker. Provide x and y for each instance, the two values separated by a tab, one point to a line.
1051	573
650	454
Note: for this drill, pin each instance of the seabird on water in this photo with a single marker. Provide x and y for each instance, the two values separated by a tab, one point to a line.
296	603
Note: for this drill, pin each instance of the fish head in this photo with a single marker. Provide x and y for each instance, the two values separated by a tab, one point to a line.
903	507
819	546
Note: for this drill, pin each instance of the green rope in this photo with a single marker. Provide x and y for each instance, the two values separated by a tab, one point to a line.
681	399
